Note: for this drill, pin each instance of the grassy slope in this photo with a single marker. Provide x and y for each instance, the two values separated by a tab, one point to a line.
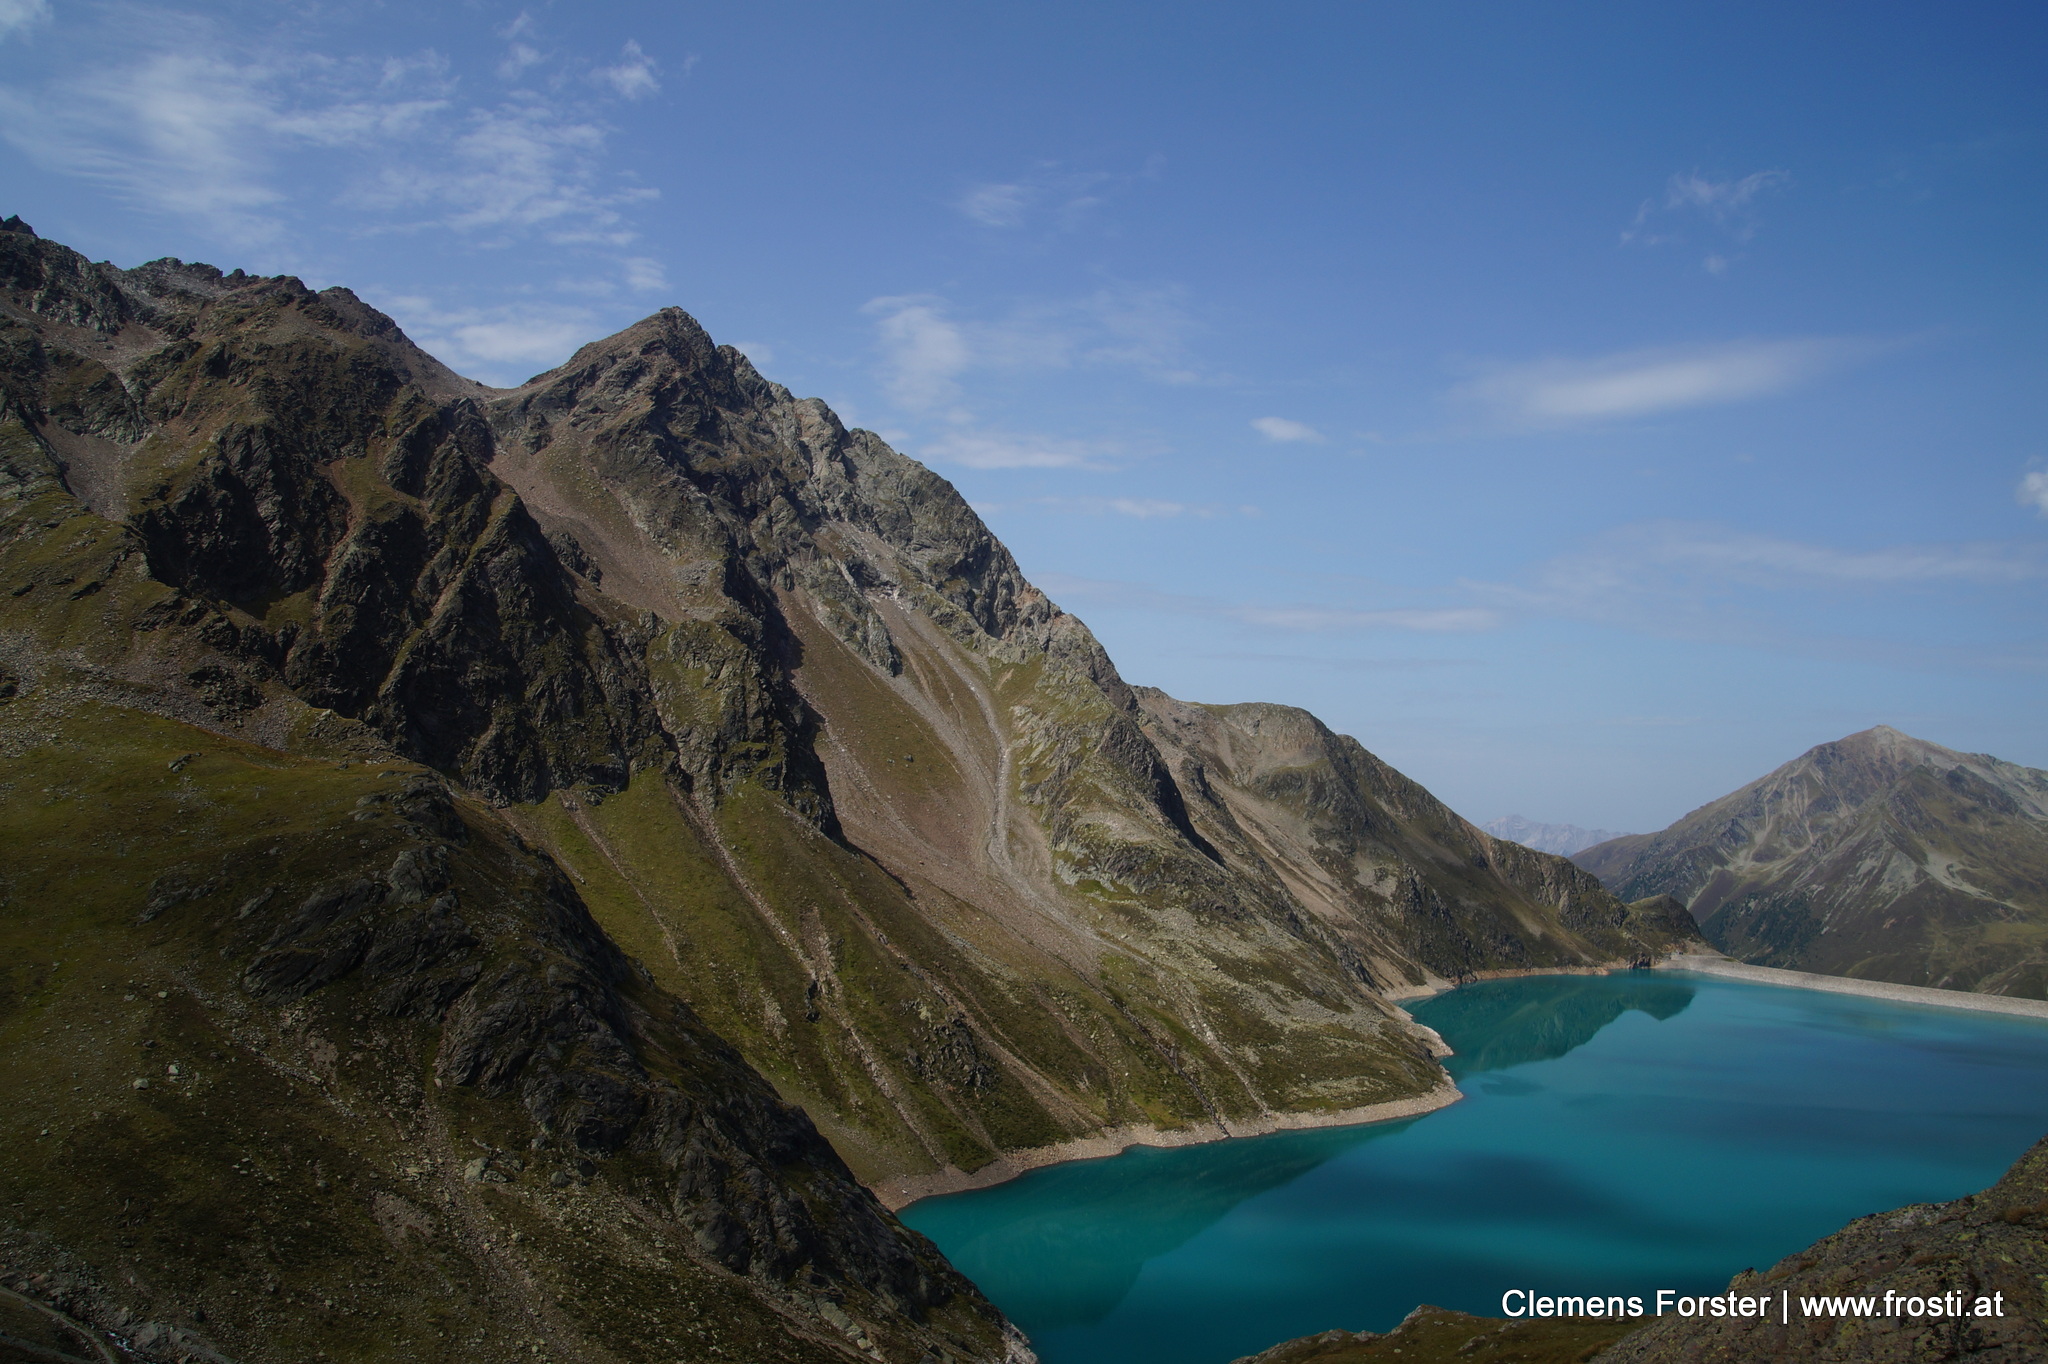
289	1181
298	1181
923	1030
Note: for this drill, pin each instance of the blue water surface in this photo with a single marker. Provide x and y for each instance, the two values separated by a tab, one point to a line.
1619	1134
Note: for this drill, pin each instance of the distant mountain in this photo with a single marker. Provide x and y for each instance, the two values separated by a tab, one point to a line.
1562	839
1879	856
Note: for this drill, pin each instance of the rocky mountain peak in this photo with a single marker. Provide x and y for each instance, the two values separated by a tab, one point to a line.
1883	744
1876	854
747	706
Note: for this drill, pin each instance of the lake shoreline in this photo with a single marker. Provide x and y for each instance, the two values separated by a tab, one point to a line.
1409	994
1729	969
900	1191
903	1190
1585	1096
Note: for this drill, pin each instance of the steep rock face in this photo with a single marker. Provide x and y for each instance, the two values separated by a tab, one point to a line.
788	716
1880	856
1414	891
1099	959
305	1051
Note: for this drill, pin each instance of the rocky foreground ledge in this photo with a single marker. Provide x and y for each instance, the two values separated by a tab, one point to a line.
1431	1334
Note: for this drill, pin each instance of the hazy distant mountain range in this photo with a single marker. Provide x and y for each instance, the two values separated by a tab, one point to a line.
521	867
1562	839
1880	855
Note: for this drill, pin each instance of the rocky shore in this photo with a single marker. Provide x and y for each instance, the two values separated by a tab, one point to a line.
902	1191
1729	969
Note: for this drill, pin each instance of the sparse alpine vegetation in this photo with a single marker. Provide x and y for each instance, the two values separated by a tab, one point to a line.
509	872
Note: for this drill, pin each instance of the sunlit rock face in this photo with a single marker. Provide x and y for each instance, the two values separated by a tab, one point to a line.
1880	856
596	778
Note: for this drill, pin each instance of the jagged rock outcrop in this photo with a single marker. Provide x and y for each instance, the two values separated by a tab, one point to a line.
307	1054
1880	856
760	752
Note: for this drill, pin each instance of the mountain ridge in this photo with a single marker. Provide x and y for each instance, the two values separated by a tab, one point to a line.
1877	855
783	732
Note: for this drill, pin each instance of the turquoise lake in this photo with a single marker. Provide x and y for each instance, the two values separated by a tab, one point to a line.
1619	1134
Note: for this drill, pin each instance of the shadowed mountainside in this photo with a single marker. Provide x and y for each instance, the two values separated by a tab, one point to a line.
533	773
1879	856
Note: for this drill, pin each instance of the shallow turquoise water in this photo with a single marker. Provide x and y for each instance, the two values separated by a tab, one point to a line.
1620	1134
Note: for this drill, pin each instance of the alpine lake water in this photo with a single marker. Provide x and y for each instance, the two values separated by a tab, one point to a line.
1619	1134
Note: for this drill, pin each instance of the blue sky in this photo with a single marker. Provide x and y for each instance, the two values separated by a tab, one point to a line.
1588	406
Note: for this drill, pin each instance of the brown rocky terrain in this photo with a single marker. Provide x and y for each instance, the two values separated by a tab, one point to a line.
461	842
1433	1335
1878	856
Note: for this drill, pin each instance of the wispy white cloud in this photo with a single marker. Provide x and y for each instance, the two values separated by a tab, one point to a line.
525	164
1642	382
1138	508
198	135
1290	618
503	344
1285	429
2033	491
644	273
923	350
1149	508
926	351
181	115
1145	329
1672	579
926	356
996	205
1721	200
979	449
1048	193
18	17
1449	620
1693	580
633	76
520	55
1726	208
1766	561
1344	663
